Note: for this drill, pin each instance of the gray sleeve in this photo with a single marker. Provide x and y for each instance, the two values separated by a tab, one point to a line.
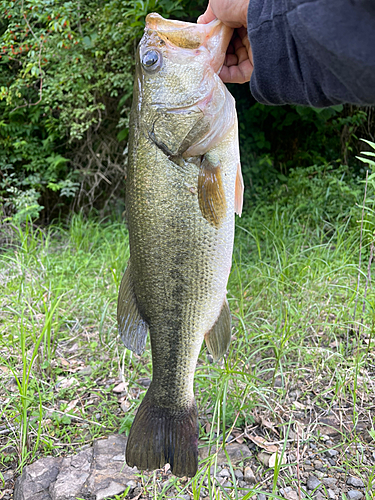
313	52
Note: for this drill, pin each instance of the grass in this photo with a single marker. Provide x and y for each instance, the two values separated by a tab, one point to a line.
297	352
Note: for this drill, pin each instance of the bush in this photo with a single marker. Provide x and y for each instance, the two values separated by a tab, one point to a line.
66	77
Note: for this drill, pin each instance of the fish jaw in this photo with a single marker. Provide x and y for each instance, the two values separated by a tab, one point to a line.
214	36
186	83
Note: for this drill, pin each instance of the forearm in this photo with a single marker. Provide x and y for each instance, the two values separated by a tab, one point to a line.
314	53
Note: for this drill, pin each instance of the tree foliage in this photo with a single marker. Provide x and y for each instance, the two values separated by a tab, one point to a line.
66	77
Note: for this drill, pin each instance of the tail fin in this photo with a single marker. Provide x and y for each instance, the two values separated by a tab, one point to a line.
162	435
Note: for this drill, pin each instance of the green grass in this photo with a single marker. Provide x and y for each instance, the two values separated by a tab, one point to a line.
292	292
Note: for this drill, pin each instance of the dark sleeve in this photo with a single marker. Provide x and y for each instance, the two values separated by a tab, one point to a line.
313	52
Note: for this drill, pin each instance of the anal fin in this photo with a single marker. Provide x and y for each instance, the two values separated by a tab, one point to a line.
211	194
218	338
132	327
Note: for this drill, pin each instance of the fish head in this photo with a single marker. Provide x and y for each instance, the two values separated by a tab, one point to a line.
177	87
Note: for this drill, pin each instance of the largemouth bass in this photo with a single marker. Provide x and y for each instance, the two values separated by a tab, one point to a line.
183	187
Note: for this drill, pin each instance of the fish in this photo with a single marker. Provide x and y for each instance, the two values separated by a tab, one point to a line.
183	187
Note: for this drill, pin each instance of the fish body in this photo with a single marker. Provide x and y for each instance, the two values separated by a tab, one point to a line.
183	186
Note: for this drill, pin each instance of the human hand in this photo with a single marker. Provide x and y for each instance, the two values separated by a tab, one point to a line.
238	64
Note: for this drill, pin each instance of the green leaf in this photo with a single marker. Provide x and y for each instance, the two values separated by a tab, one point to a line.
372	144
366	160
338	107
123	134
87	41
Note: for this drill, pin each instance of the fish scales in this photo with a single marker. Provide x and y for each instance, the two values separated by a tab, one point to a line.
180	214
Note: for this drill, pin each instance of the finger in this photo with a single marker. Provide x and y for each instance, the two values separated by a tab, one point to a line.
207	17
230	49
231	60
242	47
242	33
242	54
237	74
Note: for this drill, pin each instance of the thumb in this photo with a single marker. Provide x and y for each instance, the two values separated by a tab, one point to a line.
207	17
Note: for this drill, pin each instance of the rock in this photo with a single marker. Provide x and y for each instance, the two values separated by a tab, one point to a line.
355	481
125	405
292	495
227	440
319	474
224	473
354	495
238	474
331	494
237	453
146	382
288	493
313	483
249	476
264	458
330	426
8	475
331	453
132	484
72	476
262	496
36	478
276	457
308	468
330	482
98	472
319	496
121	387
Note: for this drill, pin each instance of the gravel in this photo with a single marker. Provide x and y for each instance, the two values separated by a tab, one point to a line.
238	474
355	481
249	476
331	453
354	495
330	482
313	483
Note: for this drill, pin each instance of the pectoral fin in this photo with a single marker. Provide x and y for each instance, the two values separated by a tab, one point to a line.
218	338
132	328
238	192
211	194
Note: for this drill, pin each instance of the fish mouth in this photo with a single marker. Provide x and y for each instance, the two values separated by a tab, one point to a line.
214	36
197	106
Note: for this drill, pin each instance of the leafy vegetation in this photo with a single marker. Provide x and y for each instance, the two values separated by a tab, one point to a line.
65	89
301	319
300	289
65	86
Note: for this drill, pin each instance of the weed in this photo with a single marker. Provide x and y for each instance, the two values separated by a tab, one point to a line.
292	292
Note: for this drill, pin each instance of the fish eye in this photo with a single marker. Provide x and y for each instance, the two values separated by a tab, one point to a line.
150	60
